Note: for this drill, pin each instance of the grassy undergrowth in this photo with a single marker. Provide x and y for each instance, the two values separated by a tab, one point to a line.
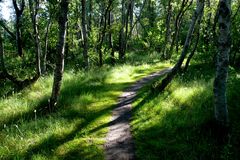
73	131
177	124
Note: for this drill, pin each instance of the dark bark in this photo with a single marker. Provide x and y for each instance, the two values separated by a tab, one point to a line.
59	59
4	73
103	32
19	13
224	45
176	68
132	3
178	26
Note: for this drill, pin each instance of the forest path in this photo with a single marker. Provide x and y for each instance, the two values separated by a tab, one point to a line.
119	142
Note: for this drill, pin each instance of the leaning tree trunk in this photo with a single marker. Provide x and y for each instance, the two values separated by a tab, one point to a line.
84	32
34	7
196	41
176	68
59	59
224	44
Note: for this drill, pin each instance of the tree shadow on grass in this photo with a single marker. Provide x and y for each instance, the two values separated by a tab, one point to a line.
188	132
70	113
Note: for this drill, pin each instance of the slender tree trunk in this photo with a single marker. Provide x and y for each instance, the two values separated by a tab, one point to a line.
176	68
178	25
44	62
196	41
122	35
34	7
103	32
138	19
90	16
110	21
132	2
2	66
19	12
59	68
224	44
85	37
168	30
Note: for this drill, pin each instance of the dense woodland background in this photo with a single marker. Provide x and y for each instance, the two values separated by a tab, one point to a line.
63	64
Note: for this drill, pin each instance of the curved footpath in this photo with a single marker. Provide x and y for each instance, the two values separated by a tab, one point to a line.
119	141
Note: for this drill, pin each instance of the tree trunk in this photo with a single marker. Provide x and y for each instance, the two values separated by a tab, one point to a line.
59	68
34	7
196	41
121	34
2	66
110	21
103	32
176	68
168	30
178	25
44	62
85	37
90	16
19	12
224	44
132	2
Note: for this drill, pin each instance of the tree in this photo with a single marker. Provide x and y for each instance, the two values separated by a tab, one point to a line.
59	58
85	37
122	33
220	82
19	13
168	30
34	7
177	66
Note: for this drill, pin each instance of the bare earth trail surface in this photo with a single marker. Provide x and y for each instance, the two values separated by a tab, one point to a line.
119	141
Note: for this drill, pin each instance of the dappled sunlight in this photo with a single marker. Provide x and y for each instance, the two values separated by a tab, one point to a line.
85	104
169	122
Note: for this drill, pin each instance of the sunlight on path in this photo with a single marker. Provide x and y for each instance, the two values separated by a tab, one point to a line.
119	142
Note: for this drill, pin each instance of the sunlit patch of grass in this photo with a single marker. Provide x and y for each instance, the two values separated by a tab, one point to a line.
175	123
78	127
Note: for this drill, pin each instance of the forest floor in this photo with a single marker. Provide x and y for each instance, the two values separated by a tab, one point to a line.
175	124
119	141
78	127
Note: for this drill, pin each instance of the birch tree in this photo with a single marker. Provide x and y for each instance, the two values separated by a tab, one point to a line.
220	82
59	58
177	66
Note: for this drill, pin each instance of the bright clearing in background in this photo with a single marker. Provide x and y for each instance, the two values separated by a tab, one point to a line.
5	9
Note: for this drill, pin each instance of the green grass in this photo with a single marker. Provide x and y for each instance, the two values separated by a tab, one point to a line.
74	131
177	124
